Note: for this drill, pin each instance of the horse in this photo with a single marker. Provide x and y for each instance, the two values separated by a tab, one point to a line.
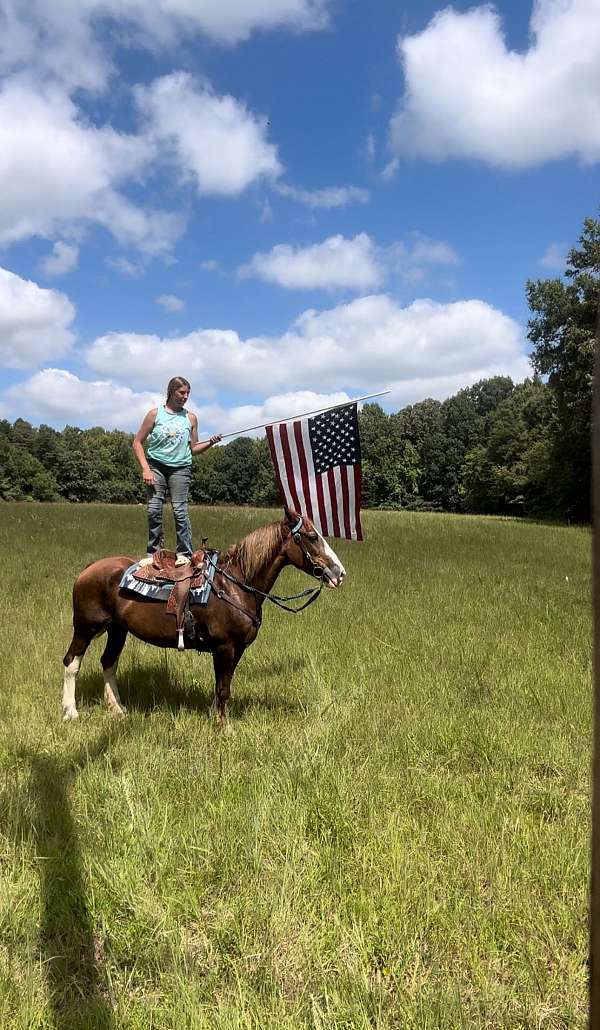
244	576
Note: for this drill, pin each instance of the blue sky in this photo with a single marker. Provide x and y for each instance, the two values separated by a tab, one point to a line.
289	202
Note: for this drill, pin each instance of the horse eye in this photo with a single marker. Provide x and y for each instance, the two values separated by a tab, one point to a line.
313	537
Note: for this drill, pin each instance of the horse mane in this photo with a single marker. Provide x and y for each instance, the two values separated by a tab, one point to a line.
256	550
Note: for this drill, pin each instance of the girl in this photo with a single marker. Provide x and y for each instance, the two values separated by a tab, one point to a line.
172	434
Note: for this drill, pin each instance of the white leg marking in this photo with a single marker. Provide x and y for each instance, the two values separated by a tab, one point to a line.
69	683
111	691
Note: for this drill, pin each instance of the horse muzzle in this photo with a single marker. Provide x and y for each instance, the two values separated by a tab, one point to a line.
333	577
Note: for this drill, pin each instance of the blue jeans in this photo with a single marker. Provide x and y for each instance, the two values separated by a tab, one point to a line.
175	480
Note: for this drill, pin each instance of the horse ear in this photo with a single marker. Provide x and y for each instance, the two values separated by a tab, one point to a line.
290	515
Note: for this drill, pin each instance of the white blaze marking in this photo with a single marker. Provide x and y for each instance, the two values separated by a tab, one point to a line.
332	556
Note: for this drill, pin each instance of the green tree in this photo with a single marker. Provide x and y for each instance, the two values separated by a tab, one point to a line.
9	487
265	492
422	425
507	472
391	464
238	471
461	427
205	477
79	470
23	435
562	330
488	394
23	477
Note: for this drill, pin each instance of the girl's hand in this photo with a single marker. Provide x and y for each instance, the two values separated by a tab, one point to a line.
215	439
148	476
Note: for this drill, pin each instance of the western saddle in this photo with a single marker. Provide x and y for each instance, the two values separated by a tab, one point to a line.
167	567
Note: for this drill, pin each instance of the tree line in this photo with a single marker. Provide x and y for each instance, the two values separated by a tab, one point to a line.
496	447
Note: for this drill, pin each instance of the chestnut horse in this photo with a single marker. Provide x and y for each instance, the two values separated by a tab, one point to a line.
225	626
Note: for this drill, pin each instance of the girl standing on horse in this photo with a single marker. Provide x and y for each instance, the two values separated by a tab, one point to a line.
172	435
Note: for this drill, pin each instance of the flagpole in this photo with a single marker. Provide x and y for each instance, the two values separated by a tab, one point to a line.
343	404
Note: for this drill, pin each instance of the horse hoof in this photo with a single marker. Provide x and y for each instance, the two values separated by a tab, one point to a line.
117	709
69	714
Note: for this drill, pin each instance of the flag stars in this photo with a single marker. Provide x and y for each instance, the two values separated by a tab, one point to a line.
334	439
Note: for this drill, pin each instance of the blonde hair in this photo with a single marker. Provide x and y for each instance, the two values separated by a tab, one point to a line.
174	384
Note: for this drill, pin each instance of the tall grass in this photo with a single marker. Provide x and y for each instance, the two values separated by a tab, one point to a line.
395	833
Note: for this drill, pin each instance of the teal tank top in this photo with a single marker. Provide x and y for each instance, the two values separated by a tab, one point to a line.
169	441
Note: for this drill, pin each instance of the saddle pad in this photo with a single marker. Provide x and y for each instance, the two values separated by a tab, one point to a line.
161	591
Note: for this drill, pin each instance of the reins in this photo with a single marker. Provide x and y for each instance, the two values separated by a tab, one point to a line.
277	599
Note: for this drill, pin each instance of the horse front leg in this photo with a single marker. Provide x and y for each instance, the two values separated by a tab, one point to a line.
225	659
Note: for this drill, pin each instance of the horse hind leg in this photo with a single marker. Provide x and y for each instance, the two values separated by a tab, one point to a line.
72	662
115	643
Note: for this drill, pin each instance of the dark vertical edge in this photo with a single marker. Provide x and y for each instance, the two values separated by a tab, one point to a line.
594	957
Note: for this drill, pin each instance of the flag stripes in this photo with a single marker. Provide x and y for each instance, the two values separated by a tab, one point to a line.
330	498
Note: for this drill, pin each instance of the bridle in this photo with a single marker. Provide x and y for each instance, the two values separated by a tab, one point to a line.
318	571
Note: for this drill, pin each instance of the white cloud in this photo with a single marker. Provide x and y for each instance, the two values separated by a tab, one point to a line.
57	396
195	354
63	259
363	346
266	212
170	302
122	264
243	417
215	141
59	35
54	37
431	252
413	261
210	265
554	257
151	232
423	350
58	172
329	197
468	96
335	263
34	322
390	169
357	264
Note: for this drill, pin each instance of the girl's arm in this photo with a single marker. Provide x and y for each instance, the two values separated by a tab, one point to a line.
199	446
138	449
203	445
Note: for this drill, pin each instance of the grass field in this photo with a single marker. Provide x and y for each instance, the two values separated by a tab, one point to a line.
394	834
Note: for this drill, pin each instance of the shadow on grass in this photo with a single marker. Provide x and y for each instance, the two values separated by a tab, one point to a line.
155	685
71	950
144	689
276	667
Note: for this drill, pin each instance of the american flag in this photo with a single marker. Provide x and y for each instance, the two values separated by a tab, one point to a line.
317	464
